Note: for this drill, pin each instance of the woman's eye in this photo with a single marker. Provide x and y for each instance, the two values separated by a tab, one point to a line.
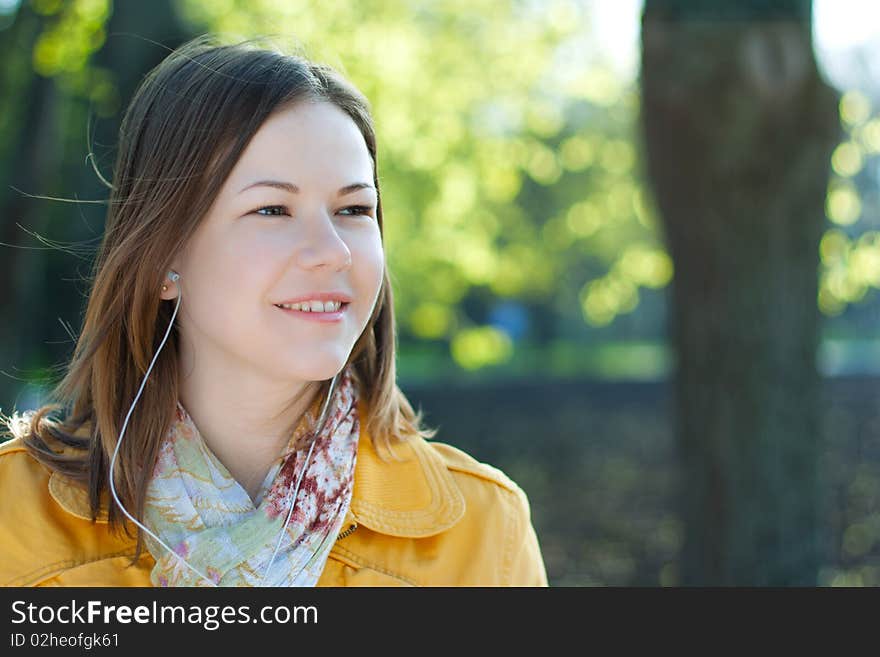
357	210
360	209
272	207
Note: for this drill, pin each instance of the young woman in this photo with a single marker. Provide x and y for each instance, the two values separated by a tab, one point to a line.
235	371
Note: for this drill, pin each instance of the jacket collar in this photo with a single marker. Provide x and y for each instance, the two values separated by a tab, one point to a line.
413	497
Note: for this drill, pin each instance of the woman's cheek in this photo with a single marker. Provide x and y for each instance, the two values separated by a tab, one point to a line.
375	267
365	275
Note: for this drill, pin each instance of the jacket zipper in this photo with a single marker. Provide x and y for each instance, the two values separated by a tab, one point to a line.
347	532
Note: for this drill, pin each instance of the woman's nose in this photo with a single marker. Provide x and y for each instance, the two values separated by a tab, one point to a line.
323	246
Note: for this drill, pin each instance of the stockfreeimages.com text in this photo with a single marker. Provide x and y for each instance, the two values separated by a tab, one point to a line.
210	617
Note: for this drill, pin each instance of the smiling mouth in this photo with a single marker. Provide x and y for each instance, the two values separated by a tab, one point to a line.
328	316
326	309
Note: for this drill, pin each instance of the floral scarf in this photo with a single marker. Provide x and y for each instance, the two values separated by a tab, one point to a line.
195	506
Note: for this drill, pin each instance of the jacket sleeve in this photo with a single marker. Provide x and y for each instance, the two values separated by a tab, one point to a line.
526	564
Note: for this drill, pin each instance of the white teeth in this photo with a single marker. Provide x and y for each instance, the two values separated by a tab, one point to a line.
313	306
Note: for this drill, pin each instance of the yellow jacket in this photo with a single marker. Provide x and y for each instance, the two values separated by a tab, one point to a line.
440	518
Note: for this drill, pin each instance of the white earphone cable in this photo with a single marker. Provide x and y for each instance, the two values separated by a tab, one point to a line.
174	276
119	442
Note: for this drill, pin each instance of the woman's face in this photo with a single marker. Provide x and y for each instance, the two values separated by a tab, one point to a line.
296	218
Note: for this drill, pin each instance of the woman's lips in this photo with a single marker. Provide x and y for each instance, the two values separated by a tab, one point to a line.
327	317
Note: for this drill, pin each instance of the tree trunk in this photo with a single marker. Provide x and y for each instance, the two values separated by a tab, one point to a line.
738	130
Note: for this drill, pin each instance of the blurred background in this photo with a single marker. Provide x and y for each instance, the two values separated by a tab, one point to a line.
635	249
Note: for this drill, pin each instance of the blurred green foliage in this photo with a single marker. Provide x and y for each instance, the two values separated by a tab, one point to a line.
508	161
520	237
508	170
850	248
508	158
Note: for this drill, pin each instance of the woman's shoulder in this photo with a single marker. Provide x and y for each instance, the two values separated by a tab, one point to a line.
25	513
473	473
496	524
22	477
24	481
484	487
28	540
40	537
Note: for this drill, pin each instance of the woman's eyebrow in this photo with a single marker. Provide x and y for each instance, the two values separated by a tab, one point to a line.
293	189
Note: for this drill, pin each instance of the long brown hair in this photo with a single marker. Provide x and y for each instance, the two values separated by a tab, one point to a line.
182	133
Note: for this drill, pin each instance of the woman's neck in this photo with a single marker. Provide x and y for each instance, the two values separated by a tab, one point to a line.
245	421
